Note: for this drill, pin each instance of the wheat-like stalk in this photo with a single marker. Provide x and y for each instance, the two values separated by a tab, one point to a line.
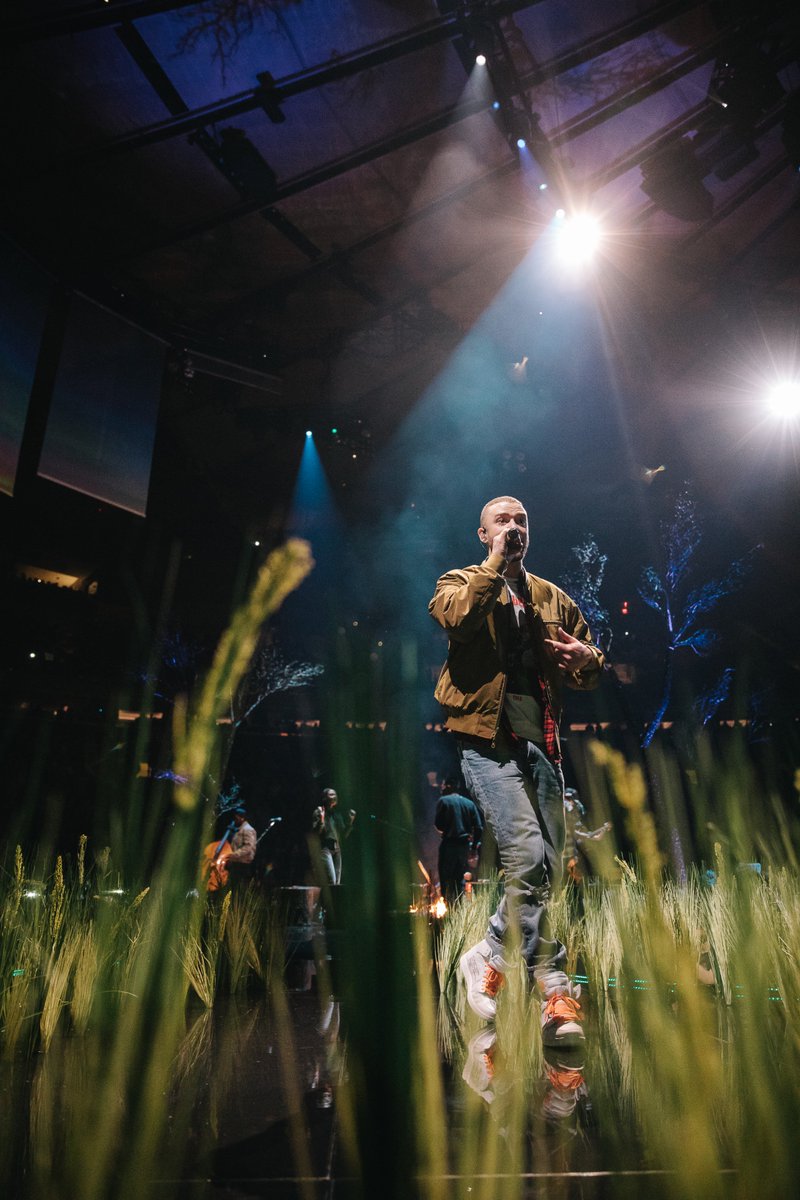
57	981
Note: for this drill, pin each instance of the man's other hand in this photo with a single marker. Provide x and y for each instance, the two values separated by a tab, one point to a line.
569	653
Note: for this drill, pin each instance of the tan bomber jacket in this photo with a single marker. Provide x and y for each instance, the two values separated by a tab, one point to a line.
472	682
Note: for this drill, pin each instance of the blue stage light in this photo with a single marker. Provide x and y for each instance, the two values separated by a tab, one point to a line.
495	105
521	143
309	433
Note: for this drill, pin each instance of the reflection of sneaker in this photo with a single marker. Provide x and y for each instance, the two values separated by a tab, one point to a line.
483	980
561	1013
566	1083
564	1067
479	1068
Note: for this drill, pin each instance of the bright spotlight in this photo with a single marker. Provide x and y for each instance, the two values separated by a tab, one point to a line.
495	105
560	214
480	60
309	433
784	399
521	143
542	187
579	237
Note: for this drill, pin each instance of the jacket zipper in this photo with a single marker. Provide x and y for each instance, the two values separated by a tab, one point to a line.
500	711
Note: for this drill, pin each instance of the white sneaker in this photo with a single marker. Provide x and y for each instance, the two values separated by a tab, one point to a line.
478	1070
561	1013
482	979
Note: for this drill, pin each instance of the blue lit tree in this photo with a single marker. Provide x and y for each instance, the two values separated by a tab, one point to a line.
269	674
177	665
707	702
582	580
685	610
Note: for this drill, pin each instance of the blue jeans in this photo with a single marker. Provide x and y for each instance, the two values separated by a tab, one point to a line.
522	796
331	858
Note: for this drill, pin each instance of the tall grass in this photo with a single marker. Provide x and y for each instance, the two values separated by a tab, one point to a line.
696	1081
693	1080
124	971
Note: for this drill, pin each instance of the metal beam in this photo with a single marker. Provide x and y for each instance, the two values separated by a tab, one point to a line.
362	60
162	85
57	23
96	16
408	136
43	25
329	261
309	179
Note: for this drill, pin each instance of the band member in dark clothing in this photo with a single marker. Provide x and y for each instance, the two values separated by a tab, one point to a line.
460	822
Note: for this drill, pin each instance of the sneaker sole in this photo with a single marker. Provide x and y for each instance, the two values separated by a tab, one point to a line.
569	1038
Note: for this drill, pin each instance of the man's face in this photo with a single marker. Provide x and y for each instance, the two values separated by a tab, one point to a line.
505	515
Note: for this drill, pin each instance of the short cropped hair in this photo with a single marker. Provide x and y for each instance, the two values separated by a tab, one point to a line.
498	500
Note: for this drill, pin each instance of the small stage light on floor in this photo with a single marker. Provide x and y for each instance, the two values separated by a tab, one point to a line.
480	60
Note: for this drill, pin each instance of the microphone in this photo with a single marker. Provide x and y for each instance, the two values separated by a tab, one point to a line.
513	539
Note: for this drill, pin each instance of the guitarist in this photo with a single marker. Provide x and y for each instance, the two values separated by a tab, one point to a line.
236	856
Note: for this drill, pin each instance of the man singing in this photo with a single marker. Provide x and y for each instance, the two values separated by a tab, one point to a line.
514	641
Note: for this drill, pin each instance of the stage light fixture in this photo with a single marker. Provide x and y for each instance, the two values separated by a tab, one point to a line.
518	127
309	433
480	60
266	93
744	83
578	238
784	399
542	187
496	105
673	179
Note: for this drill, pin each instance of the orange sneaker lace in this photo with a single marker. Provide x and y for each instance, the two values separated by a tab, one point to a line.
488	1062
566	1079
562	1008
493	980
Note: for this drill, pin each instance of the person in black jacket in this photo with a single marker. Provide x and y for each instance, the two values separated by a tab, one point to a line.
460	822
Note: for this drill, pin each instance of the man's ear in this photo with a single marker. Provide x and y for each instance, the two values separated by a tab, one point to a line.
482	535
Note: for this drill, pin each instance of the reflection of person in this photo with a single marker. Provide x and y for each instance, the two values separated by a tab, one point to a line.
514	641
460	822
332	827
239	861
575	861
